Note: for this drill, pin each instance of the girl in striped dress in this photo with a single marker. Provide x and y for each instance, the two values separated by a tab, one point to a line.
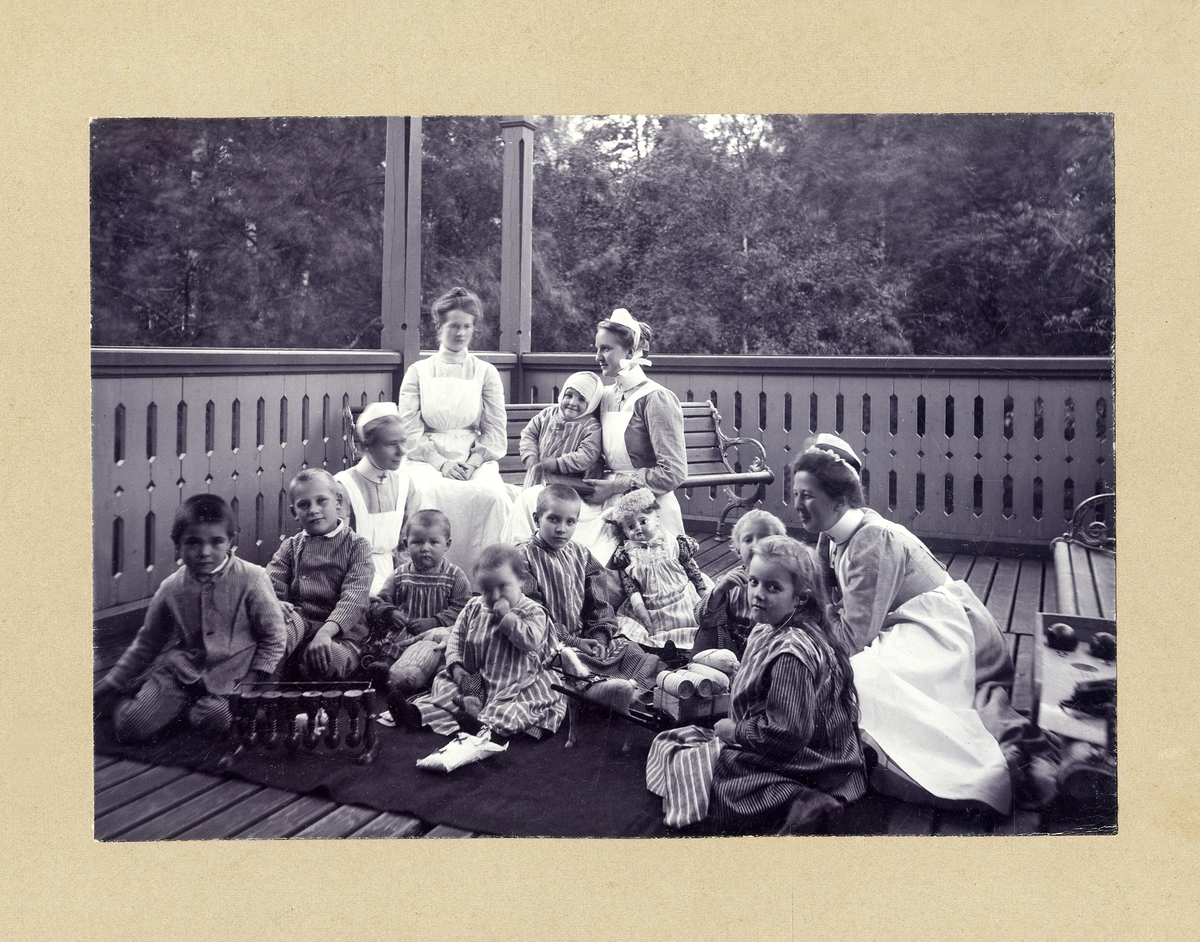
494	655
788	757
658	573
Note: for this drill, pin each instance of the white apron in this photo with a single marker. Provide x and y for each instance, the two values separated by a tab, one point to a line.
916	690
477	508
381	530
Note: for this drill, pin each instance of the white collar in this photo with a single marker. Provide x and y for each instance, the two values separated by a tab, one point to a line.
369	470
336	531
216	572
450	356
841	531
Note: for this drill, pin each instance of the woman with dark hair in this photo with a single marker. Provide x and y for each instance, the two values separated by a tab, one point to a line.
930	663
642	425
453	407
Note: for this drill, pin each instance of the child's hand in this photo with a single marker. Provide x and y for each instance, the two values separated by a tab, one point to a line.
458	674
319	654
399	622
726	730
419	626
499	610
587	646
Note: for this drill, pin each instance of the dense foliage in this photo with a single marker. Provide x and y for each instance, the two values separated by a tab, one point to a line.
866	234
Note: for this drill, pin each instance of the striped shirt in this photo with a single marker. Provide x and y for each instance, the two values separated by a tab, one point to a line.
575	445
572	586
210	630
732	621
789	710
439	594
327	578
517	691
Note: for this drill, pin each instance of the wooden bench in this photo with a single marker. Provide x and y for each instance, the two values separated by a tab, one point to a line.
707	454
1086	588
708	464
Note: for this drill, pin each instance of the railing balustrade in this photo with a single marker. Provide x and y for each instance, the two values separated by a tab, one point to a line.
991	450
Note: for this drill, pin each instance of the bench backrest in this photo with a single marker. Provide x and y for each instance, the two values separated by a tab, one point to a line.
699	430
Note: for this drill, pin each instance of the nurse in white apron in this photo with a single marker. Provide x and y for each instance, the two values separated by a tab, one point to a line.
452	404
930	664
642	424
377	489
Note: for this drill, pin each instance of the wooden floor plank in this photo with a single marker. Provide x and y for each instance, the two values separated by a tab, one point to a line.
133	788
341	822
102	762
980	579
116	772
183	816
153	804
944	558
288	820
1028	599
445	830
237	818
959	566
1022	692
911	820
1050	601
1000	598
390	824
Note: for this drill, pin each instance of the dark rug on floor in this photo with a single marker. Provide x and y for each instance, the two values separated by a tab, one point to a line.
535	789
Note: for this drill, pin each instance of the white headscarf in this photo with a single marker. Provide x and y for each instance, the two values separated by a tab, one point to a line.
587	385
628	321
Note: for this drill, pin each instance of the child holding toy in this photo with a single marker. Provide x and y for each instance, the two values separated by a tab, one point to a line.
563	443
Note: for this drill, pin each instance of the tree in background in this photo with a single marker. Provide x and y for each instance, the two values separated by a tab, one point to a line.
237	232
826	234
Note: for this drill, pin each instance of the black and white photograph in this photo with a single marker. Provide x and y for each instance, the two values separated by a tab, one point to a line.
604	476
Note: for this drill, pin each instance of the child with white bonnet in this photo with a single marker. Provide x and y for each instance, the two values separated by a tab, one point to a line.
562	444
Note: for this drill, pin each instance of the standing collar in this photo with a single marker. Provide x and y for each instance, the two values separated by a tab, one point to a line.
841	531
450	356
224	567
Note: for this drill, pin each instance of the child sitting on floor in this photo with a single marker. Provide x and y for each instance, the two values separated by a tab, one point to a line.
322	577
658	573
412	614
788	757
494	655
573	587
724	614
211	625
562	443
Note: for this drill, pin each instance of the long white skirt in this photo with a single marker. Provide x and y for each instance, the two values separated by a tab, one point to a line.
591	530
916	689
477	508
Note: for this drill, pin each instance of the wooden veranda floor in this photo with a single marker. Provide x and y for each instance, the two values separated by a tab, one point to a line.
135	801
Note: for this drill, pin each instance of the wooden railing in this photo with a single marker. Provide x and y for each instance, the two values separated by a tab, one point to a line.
992	451
986	451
